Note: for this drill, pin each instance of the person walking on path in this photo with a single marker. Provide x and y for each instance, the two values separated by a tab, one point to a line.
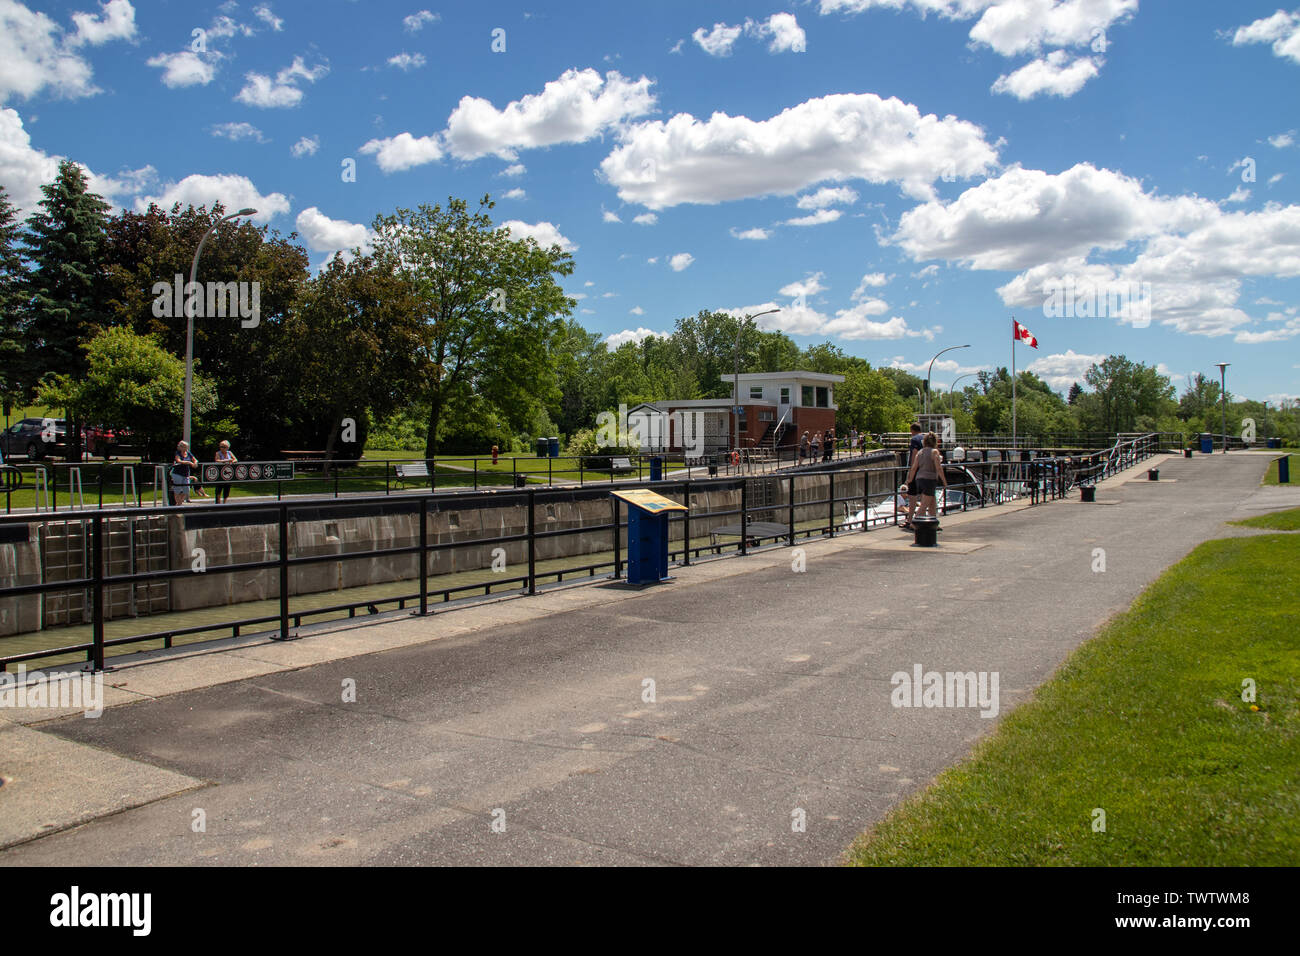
816	445
914	445
925	475
224	456
828	445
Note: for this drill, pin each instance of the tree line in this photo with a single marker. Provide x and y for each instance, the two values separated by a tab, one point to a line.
446	334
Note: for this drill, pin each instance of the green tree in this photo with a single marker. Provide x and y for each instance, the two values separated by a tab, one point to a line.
13	283
352	348
868	401
489	304
65	243
131	381
66	296
1127	394
147	251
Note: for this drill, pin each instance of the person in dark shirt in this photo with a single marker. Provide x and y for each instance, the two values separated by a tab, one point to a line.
914	445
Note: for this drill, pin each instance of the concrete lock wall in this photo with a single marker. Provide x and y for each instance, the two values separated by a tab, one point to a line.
20	563
163	541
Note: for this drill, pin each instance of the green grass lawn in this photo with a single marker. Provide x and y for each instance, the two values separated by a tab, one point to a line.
1145	721
1271	477
1288	520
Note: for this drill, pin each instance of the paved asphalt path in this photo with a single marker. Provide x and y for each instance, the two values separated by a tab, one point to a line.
771	696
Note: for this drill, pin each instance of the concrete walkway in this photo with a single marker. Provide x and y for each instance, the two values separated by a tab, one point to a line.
524	730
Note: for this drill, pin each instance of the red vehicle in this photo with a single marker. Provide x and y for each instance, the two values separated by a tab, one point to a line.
102	440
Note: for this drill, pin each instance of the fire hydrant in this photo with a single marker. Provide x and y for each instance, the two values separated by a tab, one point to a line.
495	451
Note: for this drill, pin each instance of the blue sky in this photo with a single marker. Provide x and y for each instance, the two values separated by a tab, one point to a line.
897	176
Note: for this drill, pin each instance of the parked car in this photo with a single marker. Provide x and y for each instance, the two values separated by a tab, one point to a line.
29	437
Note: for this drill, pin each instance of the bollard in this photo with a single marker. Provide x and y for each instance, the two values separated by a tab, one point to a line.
1153	474
1087	492
927	531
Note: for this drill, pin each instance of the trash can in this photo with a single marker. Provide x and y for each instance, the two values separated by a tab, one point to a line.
1207	444
553	444
1187	453
1153	474
927	531
656	468
520	481
1087	492
1274	443
543	447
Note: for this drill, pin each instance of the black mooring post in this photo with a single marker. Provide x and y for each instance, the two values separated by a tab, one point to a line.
97	593
424	555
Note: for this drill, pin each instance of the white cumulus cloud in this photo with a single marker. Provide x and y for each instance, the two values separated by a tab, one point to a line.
833	138
232	191
576	107
681	261
1055	75
1281	31
324	234
186	68
403	151
547	234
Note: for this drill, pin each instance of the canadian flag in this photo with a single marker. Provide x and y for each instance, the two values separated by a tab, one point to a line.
1018	331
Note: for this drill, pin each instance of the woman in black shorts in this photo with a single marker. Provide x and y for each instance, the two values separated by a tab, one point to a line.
926	473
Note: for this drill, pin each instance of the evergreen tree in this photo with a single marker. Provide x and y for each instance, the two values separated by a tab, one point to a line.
1075	392
13	280
65	286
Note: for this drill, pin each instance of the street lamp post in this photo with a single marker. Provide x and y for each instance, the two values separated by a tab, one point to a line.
735	382
952	406
931	369
189	316
1223	400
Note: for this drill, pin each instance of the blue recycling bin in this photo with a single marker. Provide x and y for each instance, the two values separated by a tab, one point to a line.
554	445
1207	444
656	468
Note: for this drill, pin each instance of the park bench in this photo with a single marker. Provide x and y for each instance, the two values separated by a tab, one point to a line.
412	469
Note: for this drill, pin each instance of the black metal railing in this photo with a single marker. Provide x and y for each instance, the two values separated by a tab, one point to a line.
805	511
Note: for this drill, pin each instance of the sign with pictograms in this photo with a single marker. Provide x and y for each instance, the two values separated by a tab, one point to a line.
219	472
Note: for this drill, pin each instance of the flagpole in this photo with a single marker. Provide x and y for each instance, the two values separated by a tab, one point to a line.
1014	335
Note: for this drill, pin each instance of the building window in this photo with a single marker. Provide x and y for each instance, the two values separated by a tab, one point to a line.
785	394
823	397
756	391
807	399
766	416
